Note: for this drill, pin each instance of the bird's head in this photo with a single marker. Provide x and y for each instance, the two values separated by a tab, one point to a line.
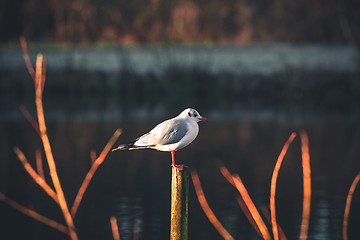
193	115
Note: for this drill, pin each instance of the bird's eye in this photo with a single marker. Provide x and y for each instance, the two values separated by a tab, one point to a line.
195	115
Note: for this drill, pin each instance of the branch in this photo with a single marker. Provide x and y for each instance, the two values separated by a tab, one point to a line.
39	165
39	180
247	206
206	208
30	119
306	185
273	185
39	81
92	171
267	215
347	206
26	57
114	228
33	214
251	206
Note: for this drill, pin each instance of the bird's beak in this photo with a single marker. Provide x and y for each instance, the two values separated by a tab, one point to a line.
203	119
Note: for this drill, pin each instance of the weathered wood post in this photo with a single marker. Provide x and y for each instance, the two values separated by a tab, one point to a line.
179	204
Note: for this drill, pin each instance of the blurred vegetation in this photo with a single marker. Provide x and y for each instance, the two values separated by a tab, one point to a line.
153	21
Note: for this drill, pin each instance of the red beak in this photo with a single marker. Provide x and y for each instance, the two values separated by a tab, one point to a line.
203	119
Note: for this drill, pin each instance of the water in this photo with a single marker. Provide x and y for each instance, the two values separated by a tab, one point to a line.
251	115
135	186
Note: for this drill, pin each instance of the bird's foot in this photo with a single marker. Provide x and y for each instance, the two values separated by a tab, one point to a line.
180	167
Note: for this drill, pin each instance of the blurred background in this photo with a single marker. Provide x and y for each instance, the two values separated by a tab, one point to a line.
258	70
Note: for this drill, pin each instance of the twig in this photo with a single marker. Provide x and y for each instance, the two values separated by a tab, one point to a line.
347	206
225	172
206	208
92	171
267	215
306	185
39	165
38	179
39	78
114	228
136	231
92	156
273	185
247	213
251	206
30	119
26	57
33	214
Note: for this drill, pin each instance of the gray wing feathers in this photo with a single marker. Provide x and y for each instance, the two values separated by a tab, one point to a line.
174	133
168	132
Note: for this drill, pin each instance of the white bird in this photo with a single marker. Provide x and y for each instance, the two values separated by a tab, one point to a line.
170	135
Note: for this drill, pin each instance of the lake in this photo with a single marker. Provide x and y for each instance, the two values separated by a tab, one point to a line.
250	118
135	186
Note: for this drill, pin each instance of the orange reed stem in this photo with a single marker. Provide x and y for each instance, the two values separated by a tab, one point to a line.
33	214
114	228
347	206
26	57
92	171
251	206
136	231
306	185
273	185
247	213
39	164
37	178
92	156
206	208
39	79
30	119
267	215
225	172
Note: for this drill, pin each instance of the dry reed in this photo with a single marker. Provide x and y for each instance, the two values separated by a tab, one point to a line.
40	126
247	213
306	185
92	171
39	165
266	213
244	207
273	186
206	208
26	57
39	83
347	206
114	228
37	178
136	231
92	156
251	206
33	214
30	119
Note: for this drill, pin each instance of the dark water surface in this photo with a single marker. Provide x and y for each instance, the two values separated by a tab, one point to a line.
251	115
135	186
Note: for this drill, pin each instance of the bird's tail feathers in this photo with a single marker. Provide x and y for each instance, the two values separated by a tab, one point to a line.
130	146
124	146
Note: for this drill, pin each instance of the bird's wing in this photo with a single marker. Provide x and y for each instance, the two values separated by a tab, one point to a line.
168	132
174	132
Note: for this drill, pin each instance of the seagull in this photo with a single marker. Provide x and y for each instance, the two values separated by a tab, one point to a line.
170	135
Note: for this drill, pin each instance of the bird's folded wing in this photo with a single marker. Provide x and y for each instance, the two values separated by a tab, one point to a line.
168	132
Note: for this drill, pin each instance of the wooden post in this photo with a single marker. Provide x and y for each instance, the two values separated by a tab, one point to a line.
179	204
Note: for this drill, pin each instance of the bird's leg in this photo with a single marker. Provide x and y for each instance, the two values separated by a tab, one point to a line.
180	167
